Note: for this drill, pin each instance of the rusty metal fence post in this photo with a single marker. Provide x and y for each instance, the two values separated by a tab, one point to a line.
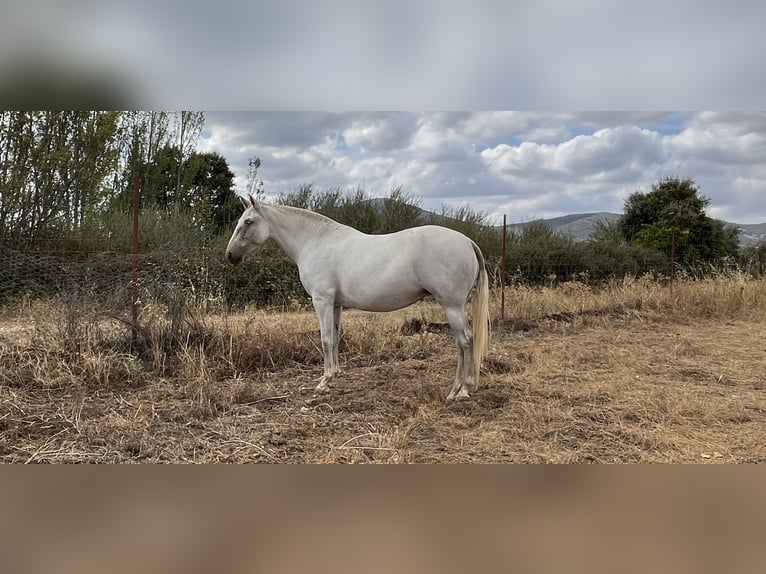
672	257
134	282
502	269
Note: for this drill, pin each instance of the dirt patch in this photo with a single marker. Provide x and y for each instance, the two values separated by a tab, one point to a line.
418	326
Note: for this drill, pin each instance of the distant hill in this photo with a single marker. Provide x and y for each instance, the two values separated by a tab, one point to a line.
752	233
580	226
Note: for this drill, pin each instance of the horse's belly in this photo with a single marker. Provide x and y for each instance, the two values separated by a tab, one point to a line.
380	300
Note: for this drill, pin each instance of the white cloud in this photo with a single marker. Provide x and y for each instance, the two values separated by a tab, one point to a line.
606	151
380	132
527	164
438	140
491	125
734	139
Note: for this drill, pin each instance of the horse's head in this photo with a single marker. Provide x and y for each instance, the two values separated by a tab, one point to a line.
251	230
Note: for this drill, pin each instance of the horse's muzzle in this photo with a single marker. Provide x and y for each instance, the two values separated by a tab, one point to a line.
231	258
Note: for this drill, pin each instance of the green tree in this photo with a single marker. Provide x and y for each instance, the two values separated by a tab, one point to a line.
672	217
189	129
160	187
53	168
210	192
143	136
206	189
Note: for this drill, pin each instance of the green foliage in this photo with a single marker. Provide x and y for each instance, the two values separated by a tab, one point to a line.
22	275
400	211
266	278
209	194
539	255
159	189
671	219
358	209
159	230
607	233
53	168
672	201
607	260
203	188
299	197
156	144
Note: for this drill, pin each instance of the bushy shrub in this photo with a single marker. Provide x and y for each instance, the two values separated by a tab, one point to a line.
752	259
539	255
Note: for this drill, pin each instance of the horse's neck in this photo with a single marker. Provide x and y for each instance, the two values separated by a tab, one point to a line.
293	231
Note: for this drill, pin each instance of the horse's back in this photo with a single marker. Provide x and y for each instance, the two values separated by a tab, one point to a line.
415	248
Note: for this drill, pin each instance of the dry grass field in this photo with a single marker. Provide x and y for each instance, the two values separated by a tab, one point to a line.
636	371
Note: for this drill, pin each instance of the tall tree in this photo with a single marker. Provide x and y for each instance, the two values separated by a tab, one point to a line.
160	188
145	140
189	129
210	195
671	217
53	166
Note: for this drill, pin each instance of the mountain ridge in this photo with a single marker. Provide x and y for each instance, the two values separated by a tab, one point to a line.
580	226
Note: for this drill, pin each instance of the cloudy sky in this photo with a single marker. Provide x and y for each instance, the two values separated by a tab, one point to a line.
431	55
527	165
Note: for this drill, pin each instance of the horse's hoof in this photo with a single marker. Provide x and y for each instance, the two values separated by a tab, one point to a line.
462	395
319	391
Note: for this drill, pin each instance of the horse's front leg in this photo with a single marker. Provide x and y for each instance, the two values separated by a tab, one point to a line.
324	308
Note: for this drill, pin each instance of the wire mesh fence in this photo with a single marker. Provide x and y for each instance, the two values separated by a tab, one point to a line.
105	279
196	272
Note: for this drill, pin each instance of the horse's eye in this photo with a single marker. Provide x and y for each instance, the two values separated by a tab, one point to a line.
248	221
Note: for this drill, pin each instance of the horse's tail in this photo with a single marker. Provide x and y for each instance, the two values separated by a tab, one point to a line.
481	324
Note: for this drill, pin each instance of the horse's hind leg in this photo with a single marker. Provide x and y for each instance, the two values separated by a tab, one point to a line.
461	330
458	374
336	338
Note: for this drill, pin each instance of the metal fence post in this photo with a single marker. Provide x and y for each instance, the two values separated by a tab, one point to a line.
502	269
134	290
673	257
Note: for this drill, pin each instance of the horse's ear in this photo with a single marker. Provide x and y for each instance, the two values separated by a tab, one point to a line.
245	201
253	202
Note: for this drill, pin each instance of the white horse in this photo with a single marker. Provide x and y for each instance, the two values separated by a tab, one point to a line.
341	267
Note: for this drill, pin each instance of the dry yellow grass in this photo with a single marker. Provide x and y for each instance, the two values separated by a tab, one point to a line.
635	371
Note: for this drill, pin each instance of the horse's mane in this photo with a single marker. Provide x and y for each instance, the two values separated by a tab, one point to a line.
310	216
